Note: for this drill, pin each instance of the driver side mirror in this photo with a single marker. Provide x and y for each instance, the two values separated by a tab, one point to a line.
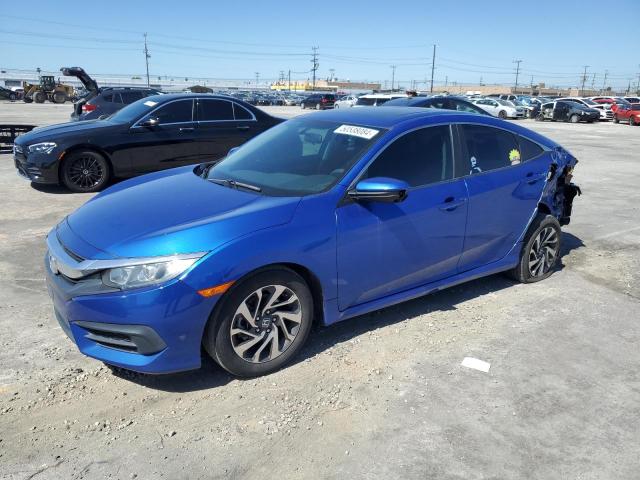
379	189
150	122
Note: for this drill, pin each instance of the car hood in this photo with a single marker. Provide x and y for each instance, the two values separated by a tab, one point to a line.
51	132
166	213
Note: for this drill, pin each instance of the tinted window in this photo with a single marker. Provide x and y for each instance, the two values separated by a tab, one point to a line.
528	149
365	101
175	112
241	113
107	97
129	96
487	149
212	110
419	158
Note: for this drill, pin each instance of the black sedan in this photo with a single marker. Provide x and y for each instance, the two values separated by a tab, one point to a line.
154	133
447	102
566	111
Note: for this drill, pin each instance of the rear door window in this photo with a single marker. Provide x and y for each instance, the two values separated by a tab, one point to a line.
528	149
130	96
487	148
215	110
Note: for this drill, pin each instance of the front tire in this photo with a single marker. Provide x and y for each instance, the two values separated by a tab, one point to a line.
262	323
39	97
540	251
59	97
318	106
85	172
632	121
502	114
615	119
574	119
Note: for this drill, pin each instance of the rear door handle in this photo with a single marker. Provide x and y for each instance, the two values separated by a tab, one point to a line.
450	204
243	128
532	178
186	129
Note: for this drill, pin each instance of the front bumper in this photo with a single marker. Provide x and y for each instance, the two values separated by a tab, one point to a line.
34	169
152	330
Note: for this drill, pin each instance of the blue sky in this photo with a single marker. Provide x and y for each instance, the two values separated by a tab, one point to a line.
359	40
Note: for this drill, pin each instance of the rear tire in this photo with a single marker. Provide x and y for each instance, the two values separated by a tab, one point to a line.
540	250
12	97
632	121
252	354
59	97
318	106
574	119
85	172
502	114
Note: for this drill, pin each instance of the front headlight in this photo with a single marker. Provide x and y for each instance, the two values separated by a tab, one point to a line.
135	276
44	147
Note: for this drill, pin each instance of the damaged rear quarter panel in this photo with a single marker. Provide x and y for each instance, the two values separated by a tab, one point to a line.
559	191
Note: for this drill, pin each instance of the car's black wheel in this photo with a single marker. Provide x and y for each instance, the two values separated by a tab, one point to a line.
59	97
540	251
540	118
632	121
615	119
39	97
85	171
261	323
502	114
574	119
12	97
335	105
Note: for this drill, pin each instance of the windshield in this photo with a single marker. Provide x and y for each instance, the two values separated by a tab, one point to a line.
134	111
297	157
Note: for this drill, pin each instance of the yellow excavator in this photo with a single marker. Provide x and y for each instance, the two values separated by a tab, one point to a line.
48	89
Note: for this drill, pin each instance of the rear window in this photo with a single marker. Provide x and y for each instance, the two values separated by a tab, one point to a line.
107	97
241	113
528	149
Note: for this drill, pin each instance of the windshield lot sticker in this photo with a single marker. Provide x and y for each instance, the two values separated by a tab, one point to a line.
150	103
361	132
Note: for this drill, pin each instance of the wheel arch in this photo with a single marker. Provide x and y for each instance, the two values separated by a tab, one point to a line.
310	278
79	148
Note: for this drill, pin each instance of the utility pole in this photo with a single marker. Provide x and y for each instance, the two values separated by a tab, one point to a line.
604	82
289	81
584	79
446	81
393	76
331	72
433	66
517	62
314	64
257	78
146	57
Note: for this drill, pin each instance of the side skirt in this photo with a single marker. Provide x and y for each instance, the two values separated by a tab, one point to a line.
333	315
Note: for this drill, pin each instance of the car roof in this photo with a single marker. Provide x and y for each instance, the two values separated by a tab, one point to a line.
387	117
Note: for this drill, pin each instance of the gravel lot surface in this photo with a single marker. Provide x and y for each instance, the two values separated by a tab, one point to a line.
380	396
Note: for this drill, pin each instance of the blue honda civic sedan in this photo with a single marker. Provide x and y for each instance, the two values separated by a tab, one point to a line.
319	219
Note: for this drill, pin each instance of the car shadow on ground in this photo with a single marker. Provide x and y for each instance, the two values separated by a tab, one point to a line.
210	375
62	190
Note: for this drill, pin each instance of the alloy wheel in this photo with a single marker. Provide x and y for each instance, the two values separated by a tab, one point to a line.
266	323
543	252
86	172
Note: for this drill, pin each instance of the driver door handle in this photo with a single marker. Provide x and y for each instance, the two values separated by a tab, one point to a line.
451	203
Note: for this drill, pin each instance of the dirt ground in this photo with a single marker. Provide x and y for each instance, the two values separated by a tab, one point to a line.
377	397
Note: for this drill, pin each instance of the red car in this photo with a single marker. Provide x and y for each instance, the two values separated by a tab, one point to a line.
613	102
628	113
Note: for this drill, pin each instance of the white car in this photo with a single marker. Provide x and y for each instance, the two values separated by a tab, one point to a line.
347	101
377	99
500	108
605	110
